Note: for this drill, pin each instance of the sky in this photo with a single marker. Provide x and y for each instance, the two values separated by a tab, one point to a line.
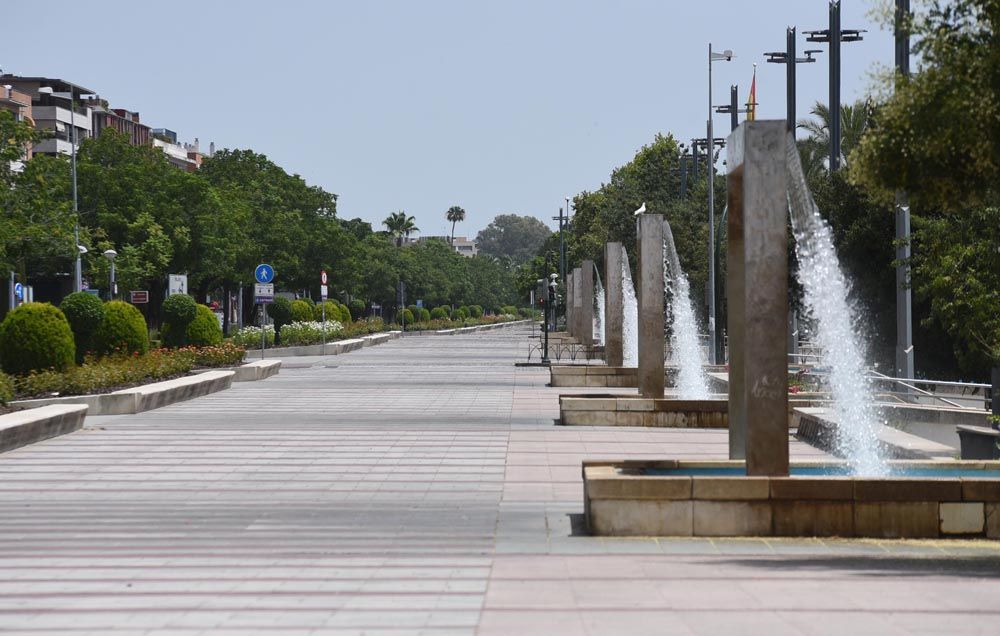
499	107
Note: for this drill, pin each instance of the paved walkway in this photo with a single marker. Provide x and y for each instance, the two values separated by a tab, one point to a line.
417	486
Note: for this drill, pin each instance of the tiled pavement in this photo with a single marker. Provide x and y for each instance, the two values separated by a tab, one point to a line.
416	487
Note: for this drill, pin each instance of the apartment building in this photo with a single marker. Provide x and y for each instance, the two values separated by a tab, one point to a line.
118	119
18	103
462	244
57	107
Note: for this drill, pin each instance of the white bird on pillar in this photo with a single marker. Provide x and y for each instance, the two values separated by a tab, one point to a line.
642	209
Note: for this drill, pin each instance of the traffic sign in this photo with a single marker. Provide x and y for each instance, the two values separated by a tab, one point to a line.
323	291
264	273
19	291
322	276
263	293
139	297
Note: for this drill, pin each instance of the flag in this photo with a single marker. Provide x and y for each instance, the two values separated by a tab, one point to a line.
752	99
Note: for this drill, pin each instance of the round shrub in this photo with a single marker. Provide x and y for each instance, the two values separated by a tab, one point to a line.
84	312
509	309
204	330
475	311
345	314
425	314
280	312
178	311
122	330
414	310
6	389
301	311
439	313
405	316
357	308
460	314
332	311
36	336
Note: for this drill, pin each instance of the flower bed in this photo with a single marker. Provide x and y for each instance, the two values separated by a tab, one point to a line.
111	373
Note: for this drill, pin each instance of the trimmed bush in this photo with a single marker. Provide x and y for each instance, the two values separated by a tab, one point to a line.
475	311
204	330
36	336
301	311
460	314
357	309
84	312
178	311
345	314
6	389
123	330
280	312
405	316
425	315
332	311
509	309
439	313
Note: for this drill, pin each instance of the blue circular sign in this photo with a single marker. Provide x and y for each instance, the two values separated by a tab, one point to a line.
19	291
264	273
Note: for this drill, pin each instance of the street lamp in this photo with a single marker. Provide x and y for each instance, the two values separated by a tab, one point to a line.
78	271
790	60
112	284
725	56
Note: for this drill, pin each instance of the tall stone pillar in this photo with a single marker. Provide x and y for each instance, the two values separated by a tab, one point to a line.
587	303
570	324
577	304
649	230
614	306
757	280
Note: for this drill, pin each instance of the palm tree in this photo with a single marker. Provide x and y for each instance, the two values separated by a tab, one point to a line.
400	225
454	214
854	121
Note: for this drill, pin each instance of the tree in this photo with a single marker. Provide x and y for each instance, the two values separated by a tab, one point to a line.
454	214
513	236
400	225
854	121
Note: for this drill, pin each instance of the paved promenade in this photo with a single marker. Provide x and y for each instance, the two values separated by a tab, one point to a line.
417	487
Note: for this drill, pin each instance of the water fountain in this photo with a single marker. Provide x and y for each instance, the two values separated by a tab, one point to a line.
837	330
599	335
691	383
758	492
630	316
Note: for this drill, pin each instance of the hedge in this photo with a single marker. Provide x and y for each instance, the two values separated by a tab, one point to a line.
84	312
204	330
301	311
178	311
123	329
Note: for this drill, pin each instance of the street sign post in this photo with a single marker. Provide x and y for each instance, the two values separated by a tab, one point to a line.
264	273
322	297
324	292
19	292
139	297
322	277
263	293
177	284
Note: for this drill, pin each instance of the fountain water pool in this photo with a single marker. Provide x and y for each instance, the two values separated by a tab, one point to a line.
692	384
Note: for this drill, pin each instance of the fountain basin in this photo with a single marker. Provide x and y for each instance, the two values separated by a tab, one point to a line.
713	499
616	410
624	377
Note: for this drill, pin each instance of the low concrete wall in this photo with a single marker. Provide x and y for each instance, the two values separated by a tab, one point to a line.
621	499
332	348
464	330
569	375
817	426
932	423
259	370
143	398
33	425
635	411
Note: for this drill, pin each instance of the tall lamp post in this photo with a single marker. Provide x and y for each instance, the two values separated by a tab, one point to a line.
834	36
904	301
112	282
790	60
725	56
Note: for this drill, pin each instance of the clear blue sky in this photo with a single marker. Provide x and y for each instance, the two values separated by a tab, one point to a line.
497	107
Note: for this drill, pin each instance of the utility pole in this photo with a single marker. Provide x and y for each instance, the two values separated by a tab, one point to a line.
904	301
834	36
562	247
733	108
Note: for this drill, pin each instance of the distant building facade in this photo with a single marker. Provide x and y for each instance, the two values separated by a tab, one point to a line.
182	155
463	245
59	108
120	120
18	103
